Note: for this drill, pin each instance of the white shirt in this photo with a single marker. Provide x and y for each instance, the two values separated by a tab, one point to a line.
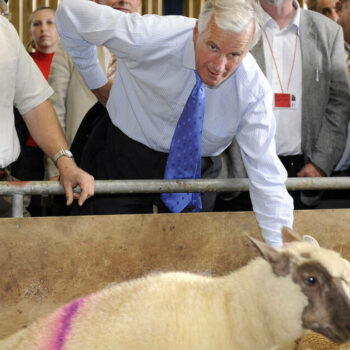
288	120
21	84
154	79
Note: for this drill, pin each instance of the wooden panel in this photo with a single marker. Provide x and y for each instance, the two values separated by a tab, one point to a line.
53	4
192	7
14	9
27	10
46	262
152	6
40	3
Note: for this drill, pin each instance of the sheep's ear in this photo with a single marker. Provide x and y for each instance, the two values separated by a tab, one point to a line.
310	239
289	235
278	261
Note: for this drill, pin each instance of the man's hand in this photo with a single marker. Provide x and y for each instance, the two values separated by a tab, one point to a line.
311	170
102	93
71	176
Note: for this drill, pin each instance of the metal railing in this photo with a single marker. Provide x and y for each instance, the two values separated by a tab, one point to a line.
18	189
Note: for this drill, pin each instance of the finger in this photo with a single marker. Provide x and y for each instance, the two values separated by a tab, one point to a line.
83	197
69	195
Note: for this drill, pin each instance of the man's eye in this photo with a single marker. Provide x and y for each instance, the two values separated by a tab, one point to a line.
212	47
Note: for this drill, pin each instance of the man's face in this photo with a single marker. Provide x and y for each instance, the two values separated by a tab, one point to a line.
327	8
218	53
344	21
127	6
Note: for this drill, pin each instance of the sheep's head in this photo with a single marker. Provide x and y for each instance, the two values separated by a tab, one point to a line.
323	276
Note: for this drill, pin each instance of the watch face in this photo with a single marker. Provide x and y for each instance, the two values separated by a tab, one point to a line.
68	153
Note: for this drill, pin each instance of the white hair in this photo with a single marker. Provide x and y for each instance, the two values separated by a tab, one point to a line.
232	15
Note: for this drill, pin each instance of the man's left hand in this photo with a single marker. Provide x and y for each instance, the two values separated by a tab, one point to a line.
311	170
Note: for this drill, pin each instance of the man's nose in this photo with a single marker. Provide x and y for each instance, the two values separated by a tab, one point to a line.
219	64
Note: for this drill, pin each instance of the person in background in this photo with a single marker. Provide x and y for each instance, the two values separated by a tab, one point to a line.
72	99
3	9
22	85
44	38
344	20
168	66
327	8
302	54
76	106
343	8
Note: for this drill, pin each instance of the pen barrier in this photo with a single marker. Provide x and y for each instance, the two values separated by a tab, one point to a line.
17	189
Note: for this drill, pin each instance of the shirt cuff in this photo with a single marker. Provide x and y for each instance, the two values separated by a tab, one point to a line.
94	77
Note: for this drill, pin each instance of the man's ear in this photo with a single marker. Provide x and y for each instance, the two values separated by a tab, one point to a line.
278	260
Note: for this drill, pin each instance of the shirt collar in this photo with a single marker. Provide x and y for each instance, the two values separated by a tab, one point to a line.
189	60
295	21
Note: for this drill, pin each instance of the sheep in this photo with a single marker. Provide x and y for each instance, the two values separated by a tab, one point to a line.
267	304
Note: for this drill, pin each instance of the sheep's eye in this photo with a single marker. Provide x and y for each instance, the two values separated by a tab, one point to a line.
311	281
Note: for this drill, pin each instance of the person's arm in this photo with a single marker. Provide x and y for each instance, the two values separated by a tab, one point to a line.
272	204
102	93
47	133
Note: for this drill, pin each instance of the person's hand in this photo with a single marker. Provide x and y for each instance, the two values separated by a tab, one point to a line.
102	93
71	176
310	170
112	66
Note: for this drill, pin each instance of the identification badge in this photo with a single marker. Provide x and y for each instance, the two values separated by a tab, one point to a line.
282	100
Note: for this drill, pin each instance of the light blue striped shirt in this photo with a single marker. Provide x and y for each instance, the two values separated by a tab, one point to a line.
154	78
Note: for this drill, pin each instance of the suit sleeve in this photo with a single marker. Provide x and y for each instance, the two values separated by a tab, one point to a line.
331	140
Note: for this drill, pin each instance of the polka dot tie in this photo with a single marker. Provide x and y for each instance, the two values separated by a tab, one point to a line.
184	159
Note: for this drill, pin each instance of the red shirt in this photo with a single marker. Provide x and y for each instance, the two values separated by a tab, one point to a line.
43	61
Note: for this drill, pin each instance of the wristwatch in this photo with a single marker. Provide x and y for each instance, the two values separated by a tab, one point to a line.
62	153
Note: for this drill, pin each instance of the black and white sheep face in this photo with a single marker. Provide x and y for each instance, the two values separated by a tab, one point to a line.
328	309
324	278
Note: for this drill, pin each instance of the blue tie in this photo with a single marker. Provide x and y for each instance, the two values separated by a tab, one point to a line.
184	159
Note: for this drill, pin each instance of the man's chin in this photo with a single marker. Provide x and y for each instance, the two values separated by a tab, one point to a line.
213	82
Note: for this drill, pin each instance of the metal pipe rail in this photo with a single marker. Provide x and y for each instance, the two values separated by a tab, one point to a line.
18	189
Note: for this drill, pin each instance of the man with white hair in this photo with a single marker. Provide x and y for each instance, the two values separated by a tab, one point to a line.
173	73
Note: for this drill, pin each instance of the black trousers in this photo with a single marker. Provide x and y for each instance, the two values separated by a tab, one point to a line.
302	199
30	167
111	155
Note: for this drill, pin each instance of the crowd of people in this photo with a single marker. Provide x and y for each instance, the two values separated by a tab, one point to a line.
255	89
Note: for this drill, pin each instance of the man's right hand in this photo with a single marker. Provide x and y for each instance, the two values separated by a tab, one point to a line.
102	93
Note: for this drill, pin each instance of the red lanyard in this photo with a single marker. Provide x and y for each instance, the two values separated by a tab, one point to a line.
274	61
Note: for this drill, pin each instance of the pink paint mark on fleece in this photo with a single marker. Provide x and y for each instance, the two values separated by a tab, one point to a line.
64	323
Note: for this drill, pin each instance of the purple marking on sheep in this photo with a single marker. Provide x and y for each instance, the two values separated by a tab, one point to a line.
65	323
